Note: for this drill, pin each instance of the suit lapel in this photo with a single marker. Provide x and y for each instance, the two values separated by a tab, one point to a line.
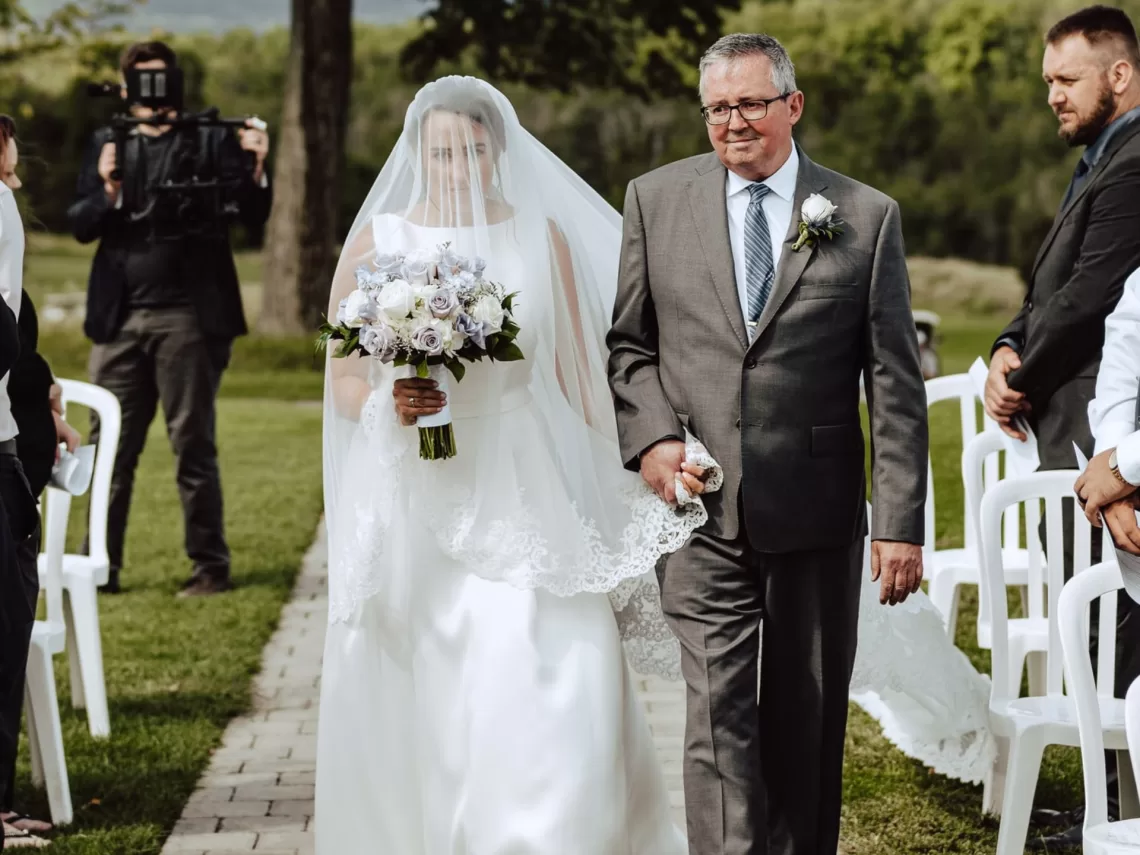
792	264
1115	146
710	213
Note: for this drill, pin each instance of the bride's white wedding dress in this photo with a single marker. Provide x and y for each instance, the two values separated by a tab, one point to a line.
481	716
475	697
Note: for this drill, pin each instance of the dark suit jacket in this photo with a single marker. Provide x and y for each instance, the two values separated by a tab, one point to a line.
780	414
29	385
1075	284
210	277
9	339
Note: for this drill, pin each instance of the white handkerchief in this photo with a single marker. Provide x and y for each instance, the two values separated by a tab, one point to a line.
1021	457
1129	563
697	455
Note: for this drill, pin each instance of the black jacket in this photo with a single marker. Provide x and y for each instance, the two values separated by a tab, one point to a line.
1076	282
210	277
29	387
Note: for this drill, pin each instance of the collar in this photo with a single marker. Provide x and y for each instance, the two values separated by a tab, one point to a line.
782	182
1096	151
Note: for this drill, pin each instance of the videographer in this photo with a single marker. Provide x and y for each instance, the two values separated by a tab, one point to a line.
158	189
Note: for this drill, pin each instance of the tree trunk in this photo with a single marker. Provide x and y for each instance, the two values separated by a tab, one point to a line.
301	241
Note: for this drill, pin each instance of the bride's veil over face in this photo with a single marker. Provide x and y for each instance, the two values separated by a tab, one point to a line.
466	173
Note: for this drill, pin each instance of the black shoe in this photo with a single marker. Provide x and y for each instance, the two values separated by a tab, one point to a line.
1059	842
205	586
112	586
1049	818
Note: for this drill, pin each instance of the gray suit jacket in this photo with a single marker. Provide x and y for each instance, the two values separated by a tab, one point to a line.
782	415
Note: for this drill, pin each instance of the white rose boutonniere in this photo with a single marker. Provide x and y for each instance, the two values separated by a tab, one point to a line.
817	220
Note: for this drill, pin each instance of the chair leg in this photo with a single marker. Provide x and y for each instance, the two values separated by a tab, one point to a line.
74	672
944	593
85	610
49	736
35	756
1020	787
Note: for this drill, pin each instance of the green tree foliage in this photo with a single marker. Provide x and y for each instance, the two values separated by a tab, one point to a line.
938	103
633	45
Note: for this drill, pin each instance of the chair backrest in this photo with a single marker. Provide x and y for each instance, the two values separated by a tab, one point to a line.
1046	567
960	388
981	470
1132	725
57	507
106	407
1098	582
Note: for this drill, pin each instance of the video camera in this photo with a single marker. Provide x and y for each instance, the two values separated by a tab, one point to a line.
192	198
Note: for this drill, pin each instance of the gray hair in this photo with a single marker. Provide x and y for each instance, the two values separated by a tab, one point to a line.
738	45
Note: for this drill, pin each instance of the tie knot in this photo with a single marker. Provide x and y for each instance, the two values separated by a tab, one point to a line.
759	191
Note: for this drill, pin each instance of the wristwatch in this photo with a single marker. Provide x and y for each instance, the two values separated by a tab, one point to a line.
1114	468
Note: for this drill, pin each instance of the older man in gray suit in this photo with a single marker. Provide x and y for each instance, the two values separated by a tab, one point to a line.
750	330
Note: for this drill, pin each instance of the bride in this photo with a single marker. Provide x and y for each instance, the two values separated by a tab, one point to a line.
475	696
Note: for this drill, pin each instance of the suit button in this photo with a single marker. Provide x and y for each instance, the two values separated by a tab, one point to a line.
750	363
738	422
1029	305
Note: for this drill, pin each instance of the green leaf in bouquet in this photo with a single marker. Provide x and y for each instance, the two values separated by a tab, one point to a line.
507	351
422	370
457	369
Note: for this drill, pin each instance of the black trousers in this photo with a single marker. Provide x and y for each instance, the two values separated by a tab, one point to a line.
162	356
19	591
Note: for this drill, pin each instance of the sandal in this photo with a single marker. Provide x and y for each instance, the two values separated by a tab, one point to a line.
16	838
25	823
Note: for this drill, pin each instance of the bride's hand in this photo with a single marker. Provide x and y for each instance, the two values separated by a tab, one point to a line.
415	397
694	478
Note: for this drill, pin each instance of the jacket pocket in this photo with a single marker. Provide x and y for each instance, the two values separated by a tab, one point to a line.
828	291
836	440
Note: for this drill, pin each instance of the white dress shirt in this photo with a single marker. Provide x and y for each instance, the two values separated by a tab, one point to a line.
1112	413
11	288
777	208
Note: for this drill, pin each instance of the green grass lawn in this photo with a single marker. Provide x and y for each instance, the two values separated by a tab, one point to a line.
177	671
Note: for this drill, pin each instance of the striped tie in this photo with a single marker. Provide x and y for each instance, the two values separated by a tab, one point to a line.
759	268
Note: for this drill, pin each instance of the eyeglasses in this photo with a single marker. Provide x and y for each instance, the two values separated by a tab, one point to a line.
750	111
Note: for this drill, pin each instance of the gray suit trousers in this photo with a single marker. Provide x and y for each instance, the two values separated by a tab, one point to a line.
763	766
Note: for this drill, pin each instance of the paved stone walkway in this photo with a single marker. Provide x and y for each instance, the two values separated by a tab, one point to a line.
257	795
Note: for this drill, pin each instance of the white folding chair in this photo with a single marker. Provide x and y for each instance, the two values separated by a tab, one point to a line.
1024	726
49	637
980	471
947	570
1132	725
1101	718
83	574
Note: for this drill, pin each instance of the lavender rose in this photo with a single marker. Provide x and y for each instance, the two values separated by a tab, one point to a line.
380	341
472	330
429	340
443	303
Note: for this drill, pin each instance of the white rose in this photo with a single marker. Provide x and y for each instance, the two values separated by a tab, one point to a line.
817	210
397	299
489	311
358	309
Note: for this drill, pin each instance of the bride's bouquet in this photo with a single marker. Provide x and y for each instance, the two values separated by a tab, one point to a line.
431	309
